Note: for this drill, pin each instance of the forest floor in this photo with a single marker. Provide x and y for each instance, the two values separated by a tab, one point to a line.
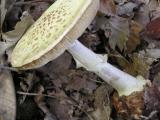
128	31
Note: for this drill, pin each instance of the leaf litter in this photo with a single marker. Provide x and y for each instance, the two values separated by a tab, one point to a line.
126	30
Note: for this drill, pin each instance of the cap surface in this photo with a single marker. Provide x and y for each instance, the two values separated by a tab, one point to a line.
48	30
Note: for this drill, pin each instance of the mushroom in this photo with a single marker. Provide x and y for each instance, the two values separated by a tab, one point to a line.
56	31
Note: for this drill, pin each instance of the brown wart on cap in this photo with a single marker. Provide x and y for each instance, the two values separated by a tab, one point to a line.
57	30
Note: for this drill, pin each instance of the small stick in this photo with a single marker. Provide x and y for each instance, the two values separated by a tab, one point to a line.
8	68
74	102
30	2
34	94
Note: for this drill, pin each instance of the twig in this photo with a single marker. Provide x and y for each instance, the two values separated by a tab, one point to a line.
75	103
34	94
8	68
30	2
96	81
150	115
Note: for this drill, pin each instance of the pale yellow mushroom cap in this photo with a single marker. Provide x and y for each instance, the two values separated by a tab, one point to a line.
49	30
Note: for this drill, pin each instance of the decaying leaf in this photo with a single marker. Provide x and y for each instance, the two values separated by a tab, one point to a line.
134	38
3	12
119	32
126	9
139	66
26	84
152	29
10	38
82	80
90	40
28	110
7	96
39	8
61	108
20	28
3	47
157	78
60	65
129	107
102	104
78	94
142	16
153	4
4	6
48	114
120	1
153	53
155	74
152	100
108	7
155	13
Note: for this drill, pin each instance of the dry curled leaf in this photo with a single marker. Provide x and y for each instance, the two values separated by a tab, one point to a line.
38	8
61	109
129	107
10	38
138	66
20	28
60	65
48	115
4	6
152	99
120	1
28	110
153	53
3	12
90	40
3	48
82	80
152	29
153	4
119	32
126	9
107	7
156	80
142	16
26	84
102	104
134	38
155	13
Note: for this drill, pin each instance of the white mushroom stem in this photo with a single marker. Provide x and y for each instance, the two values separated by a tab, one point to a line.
124	83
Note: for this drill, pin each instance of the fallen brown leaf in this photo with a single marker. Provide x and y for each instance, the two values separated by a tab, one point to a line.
119	32
61	109
152	99
82	80
152	29
38	8
155	13
129	107
138	66
102	104
134	38
10	38
142	16
107	7
126	9
19	30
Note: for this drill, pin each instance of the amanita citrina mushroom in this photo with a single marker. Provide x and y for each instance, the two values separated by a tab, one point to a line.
57	30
